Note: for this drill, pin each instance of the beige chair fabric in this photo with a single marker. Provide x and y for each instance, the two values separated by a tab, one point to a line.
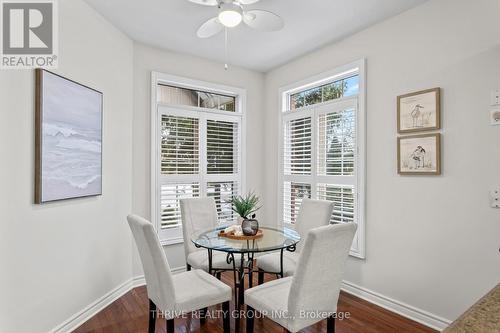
199	214
313	291
173	294
312	214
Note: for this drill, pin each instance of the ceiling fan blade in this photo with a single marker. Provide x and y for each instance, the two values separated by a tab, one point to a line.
263	20
209	28
247	2
205	2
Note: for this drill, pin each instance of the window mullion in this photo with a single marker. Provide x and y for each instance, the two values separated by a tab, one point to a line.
314	154
239	156
203	154
157	170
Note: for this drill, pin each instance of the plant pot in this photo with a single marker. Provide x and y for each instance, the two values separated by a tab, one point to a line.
250	227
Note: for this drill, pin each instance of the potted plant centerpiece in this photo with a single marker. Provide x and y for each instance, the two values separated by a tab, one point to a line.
245	207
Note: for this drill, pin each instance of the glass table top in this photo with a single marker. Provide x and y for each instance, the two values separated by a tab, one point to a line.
272	239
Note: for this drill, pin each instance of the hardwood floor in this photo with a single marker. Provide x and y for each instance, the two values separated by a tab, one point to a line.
129	314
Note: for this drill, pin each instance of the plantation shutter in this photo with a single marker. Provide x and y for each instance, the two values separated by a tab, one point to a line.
337	143
319	160
199	158
297	146
294	193
297	157
323	131
343	200
170	194
222	147
336	160
179	145
222	192
196	149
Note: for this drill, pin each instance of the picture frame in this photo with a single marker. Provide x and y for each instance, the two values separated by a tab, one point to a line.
68	138
419	111
419	154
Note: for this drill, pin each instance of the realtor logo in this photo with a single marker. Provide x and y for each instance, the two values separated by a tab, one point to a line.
29	34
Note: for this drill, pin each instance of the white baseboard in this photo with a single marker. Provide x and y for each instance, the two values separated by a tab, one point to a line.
403	309
92	309
98	305
139	280
178	269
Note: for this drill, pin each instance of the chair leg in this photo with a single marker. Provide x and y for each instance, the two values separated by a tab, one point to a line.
250	319
330	324
188	267
261	277
250	279
152	317
226	317
203	314
218	275
170	326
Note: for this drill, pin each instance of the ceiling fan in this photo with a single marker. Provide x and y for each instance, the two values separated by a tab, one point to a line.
232	13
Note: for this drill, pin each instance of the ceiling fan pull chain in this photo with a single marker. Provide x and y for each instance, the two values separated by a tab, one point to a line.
225	49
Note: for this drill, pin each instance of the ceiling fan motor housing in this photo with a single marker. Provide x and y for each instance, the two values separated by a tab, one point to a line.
230	13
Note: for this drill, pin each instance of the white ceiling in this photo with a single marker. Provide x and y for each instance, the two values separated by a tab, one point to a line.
309	24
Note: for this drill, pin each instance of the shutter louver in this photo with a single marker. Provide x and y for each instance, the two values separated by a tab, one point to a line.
343	200
169	200
222	192
222	147
297	147
294	193
336	143
179	145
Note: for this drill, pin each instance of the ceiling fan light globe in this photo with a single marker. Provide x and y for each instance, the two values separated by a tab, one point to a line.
230	18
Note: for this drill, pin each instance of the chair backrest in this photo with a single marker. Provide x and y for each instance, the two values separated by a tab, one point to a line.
312	214
320	269
196	214
159	282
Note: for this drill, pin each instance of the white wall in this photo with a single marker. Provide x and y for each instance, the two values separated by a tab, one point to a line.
58	258
147	59
432	242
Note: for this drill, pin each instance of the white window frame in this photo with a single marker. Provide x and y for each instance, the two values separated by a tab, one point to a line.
173	235
356	67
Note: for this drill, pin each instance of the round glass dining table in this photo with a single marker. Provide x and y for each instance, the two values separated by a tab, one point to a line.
273	239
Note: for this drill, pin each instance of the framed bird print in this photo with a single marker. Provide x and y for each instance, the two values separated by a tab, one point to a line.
419	154
419	111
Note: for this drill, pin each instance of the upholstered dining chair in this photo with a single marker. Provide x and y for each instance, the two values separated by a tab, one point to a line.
170	294
312	293
312	214
200	214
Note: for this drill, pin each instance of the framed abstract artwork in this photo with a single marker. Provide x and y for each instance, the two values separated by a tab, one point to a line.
68	139
419	111
419	154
